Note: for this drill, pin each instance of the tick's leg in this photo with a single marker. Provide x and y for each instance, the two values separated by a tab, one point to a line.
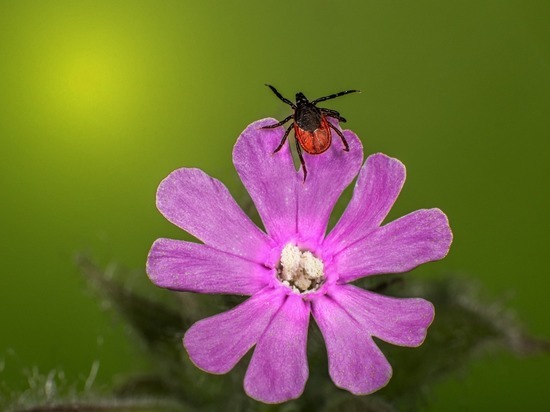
273	126
346	146
283	140
302	162
334	114
333	96
280	96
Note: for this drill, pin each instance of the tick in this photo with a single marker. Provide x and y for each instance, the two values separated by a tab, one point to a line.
311	127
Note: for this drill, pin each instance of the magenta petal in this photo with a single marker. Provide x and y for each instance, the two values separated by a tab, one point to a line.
399	246
203	206
270	178
328	175
402	322
193	267
376	190
217	343
355	362
278	370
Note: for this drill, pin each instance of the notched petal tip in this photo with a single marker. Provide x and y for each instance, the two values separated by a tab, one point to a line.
354	143
356	364
446	231
380	155
258	141
399	246
214	368
270	178
262	123
441	232
218	368
217	343
150	268
203	207
378	185
174	183
388	165
258	130
422	331
278	370
329	174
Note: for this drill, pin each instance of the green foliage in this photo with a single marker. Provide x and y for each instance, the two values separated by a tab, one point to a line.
464	327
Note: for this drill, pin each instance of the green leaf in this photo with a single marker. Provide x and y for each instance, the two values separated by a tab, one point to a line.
464	328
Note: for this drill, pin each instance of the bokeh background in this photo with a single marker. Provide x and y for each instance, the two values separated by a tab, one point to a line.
100	100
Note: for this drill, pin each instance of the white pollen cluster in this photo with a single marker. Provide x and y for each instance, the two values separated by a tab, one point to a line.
300	270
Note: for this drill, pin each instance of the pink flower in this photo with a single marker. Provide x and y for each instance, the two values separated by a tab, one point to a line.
292	269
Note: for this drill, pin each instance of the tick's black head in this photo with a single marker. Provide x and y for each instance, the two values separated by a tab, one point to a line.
301	100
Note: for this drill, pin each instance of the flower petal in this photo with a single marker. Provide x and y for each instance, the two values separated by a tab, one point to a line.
355	362
278	370
194	267
376	190
399	246
203	206
328	175
402	322
270	178
217	343
287	204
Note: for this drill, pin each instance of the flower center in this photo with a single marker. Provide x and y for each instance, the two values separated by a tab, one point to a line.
300	270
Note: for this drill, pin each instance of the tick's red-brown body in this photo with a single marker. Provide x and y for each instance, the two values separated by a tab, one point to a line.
316	141
311	127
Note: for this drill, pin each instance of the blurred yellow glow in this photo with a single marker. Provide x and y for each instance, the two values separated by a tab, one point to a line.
89	84
88	80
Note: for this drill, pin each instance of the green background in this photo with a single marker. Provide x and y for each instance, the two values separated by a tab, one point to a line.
99	101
